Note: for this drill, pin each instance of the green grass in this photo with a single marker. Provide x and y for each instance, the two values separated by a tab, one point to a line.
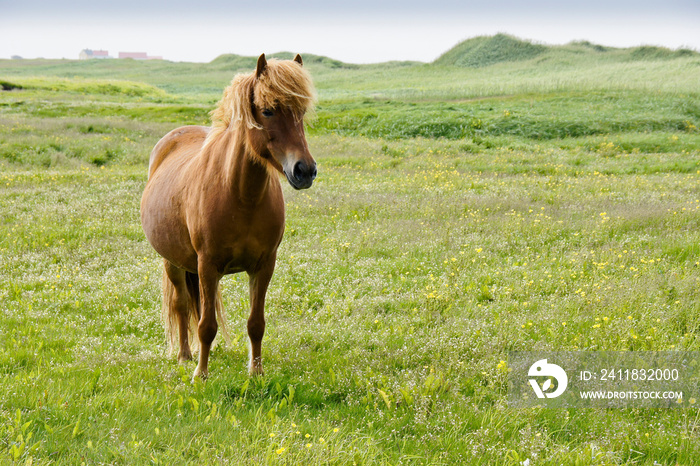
82	86
530	117
446	228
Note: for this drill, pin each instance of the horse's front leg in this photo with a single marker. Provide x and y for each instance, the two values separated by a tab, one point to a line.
207	327
258	282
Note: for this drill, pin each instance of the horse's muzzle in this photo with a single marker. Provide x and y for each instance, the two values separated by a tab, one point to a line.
302	176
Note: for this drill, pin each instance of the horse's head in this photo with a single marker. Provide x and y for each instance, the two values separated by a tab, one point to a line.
269	107
282	94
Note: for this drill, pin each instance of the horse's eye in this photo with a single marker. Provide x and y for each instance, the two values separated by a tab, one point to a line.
267	113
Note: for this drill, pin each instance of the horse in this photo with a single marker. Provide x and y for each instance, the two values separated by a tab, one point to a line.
213	202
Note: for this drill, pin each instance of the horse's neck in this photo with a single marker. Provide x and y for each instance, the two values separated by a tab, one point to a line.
247	178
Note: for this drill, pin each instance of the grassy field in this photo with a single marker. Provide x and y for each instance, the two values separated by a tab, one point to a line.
504	198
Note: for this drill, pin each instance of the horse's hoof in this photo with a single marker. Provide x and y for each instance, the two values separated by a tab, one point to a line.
184	358
255	370
199	374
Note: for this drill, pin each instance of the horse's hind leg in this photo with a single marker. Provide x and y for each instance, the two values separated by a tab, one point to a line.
177	308
208	326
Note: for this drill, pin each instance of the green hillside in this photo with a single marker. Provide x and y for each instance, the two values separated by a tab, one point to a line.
485	51
476	68
233	61
493	91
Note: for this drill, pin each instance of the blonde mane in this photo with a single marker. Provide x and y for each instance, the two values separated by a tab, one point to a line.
283	83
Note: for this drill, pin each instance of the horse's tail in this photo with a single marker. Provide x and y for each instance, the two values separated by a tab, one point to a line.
192	308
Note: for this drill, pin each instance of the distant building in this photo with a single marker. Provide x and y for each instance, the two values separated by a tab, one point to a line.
87	54
16	57
138	56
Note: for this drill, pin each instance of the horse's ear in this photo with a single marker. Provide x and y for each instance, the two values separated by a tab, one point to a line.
299	60
262	64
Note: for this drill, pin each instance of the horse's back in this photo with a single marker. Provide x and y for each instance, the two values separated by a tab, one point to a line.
186	140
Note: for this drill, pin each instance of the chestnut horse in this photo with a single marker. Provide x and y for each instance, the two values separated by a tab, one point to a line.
213	203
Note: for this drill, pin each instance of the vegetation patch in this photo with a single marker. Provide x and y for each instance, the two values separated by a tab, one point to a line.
9	86
90	86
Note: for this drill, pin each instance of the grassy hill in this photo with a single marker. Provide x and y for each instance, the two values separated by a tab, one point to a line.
476	68
236	62
497	90
485	51
489	91
502	48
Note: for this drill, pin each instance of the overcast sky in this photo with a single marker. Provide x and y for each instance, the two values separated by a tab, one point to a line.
363	31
